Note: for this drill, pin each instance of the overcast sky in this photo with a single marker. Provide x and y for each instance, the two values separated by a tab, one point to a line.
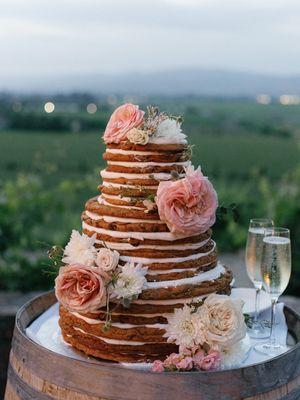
40	37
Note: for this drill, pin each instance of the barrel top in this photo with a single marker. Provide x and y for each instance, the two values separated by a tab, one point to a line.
108	380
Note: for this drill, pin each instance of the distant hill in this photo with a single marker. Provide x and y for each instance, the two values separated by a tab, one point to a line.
177	82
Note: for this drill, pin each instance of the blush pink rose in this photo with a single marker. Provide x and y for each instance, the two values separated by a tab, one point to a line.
211	361
158	366
81	288
122	120
188	205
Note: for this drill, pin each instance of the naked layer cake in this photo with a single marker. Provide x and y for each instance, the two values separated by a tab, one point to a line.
146	249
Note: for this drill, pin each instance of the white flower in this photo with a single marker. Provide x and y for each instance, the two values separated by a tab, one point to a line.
233	356
186	328
168	131
138	136
226	321
107	259
130	281
80	249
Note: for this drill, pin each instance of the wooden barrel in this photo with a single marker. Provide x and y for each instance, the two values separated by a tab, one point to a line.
37	373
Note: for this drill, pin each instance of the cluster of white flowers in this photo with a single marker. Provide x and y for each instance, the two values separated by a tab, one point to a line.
130	281
218	323
165	131
169	131
186	328
80	249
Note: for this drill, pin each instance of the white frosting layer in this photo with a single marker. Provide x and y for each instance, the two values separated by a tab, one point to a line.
210	275
149	164
117	324
131	152
119	185
169	271
102	201
167	236
112	341
128	246
141	260
116	197
169	302
108	219
159	176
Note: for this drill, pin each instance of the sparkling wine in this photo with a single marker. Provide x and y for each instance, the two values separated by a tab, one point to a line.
253	255
276	264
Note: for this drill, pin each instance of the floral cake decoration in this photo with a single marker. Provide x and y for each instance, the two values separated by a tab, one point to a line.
129	123
91	278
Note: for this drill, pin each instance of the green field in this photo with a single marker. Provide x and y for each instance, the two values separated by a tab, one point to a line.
251	153
59	155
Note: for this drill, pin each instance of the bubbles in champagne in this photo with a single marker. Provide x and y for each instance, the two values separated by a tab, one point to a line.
253	255
276	264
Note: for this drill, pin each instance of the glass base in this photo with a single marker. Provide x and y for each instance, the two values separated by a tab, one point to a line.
272	350
258	331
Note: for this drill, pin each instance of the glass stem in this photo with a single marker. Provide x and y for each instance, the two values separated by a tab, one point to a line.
257	296
272	339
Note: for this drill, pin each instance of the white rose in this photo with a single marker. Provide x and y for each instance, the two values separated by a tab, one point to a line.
137	136
226	321
107	259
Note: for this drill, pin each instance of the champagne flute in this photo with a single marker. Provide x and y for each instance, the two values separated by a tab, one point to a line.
253	261
276	272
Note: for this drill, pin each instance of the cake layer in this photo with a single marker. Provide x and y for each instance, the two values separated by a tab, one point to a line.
117	189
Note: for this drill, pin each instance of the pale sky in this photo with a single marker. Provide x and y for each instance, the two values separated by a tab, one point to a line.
52	37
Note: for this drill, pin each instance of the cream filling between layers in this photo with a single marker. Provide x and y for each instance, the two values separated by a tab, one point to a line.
171	301
112	341
159	176
128	246
130	164
107	218
166	236
146	261
210	275
120	185
133	152
102	201
117	324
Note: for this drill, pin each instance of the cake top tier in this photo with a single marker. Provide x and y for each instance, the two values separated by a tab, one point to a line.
130	124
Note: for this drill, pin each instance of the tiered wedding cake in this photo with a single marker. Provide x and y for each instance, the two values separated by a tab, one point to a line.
146	248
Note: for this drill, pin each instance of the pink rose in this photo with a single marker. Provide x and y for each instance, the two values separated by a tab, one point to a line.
188	206
211	361
158	366
81	288
185	364
122	120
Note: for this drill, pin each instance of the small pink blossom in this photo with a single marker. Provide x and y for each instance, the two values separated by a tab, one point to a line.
122	120
188	206
197	358
172	360
158	366
185	364
211	361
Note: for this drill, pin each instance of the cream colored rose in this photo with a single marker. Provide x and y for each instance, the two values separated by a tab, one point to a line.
107	259
226	321
137	136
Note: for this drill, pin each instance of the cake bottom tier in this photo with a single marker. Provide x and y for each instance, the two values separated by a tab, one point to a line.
135	334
